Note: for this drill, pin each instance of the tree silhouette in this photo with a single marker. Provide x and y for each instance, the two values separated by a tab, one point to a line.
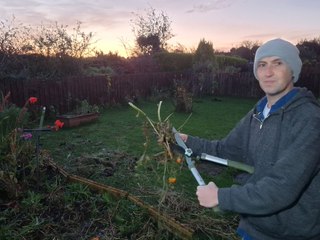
152	31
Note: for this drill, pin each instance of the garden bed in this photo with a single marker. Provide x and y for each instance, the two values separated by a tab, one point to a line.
72	120
108	152
57	204
53	208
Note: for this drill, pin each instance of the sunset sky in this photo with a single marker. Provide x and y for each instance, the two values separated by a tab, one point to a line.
226	23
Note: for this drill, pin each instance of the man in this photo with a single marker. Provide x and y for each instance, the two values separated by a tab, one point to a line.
280	137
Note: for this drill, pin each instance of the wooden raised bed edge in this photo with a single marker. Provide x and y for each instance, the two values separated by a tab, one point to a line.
172	225
72	120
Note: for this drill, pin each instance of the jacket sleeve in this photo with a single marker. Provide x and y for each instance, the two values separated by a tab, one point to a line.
232	147
290	176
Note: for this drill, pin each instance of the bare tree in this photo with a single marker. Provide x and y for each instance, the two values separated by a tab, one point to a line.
152	31
13	41
55	40
246	49
250	44
43	51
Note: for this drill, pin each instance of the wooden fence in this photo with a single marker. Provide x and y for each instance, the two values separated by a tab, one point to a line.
61	94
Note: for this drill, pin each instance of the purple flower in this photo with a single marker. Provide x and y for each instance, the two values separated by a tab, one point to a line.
26	136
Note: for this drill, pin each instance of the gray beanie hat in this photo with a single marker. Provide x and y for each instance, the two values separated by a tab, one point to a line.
285	50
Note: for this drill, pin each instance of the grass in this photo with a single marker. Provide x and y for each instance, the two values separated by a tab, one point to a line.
108	151
118	128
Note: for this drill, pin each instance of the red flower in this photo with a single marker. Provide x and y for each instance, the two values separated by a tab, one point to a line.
33	100
58	124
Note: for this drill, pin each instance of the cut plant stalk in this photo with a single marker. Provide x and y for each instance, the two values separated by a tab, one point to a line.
161	128
38	140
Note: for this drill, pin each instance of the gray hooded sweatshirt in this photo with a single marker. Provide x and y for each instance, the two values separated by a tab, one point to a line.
281	199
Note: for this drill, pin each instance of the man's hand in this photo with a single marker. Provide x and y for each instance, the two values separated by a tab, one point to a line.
208	195
184	137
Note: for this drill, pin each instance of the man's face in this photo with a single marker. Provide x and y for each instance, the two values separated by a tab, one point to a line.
274	76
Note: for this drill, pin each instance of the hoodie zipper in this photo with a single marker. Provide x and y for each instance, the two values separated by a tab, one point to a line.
256	116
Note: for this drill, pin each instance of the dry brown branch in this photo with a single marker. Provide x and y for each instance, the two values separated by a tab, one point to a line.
170	224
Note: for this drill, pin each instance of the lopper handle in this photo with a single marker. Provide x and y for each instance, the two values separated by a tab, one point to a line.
197	176
241	166
202	183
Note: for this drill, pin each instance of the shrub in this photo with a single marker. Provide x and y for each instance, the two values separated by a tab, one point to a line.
173	62
225	62
15	153
18	158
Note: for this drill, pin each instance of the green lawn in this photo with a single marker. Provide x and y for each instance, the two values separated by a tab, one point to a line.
119	128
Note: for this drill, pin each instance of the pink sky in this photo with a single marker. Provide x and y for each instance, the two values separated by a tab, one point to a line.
226	23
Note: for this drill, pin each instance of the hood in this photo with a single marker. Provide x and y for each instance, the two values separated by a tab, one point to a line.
296	97
303	96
